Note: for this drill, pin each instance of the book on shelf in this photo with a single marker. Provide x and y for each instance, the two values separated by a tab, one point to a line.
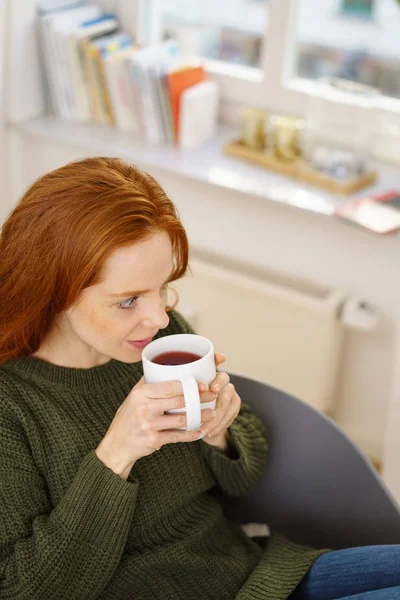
159	73
46	7
178	82
80	42
99	49
120	90
198	114
52	26
146	64
96	72
379	213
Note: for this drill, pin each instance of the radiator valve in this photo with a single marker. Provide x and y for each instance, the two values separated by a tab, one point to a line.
360	315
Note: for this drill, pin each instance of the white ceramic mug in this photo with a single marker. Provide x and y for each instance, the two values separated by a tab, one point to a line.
190	374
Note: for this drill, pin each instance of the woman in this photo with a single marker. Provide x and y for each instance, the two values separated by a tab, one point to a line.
101	496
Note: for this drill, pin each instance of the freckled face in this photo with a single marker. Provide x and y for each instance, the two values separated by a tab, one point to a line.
118	317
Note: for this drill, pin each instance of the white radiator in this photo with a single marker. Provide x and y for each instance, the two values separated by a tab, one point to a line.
278	330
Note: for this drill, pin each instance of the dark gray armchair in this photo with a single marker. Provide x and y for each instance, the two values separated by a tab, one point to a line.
317	488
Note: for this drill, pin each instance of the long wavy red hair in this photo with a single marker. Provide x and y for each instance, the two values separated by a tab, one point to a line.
55	242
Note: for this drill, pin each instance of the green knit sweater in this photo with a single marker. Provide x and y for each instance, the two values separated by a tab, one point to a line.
70	528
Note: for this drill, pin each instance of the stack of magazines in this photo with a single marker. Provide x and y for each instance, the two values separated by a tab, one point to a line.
379	212
96	72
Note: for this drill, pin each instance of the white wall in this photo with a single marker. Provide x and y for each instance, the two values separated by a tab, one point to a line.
3	21
24	84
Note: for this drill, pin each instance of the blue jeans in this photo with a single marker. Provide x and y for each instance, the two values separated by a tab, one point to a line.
366	573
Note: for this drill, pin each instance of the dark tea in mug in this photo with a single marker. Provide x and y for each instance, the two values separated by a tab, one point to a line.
174	358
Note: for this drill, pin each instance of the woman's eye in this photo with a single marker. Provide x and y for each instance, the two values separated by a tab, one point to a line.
127	304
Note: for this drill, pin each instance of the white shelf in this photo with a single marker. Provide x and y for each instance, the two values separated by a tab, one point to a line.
206	164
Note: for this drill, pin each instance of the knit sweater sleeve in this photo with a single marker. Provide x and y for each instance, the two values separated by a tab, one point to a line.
235	476
67	551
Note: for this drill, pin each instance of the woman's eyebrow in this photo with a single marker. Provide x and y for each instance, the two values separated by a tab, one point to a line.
129	294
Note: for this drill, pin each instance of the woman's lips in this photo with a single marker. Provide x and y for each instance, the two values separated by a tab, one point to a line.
140	344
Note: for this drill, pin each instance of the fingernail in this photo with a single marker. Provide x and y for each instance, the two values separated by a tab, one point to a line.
216	387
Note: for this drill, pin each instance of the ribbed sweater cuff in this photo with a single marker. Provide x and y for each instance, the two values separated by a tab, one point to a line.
99	504
282	567
235	476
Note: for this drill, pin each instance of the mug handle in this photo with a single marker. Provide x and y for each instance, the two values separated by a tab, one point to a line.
192	403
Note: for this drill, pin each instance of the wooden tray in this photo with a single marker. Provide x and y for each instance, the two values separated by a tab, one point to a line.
298	169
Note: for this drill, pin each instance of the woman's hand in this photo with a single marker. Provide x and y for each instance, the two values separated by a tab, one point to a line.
226	409
140	426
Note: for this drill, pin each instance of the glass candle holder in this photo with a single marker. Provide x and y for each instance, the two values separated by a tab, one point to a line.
339	128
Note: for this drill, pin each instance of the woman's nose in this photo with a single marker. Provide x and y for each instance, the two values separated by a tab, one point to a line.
156	316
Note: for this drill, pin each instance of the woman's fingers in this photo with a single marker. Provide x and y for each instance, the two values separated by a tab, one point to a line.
158	395
208	396
227	410
220	382
173	421
223	403
161	438
152	391
225	423
151	401
219	358
148	408
230	415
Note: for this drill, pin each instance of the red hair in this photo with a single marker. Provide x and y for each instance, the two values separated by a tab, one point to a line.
55	242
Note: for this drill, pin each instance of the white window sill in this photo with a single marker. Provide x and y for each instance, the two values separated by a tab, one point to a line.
207	164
